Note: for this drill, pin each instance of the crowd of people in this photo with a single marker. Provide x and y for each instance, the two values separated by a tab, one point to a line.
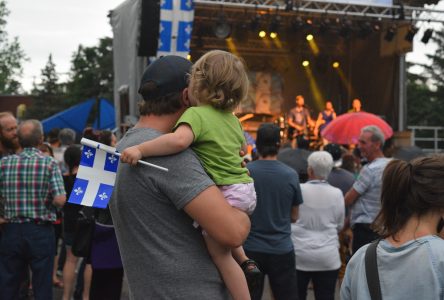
213	227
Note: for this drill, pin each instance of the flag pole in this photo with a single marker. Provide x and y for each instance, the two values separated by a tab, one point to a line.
111	150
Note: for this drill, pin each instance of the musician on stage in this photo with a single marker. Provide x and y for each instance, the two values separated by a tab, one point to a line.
325	117
299	121
356	106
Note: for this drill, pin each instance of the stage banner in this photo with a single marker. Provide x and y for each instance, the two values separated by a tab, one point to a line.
176	24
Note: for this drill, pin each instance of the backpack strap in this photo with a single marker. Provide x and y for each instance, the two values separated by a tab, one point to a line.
371	271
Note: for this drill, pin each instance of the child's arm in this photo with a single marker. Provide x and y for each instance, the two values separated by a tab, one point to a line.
166	144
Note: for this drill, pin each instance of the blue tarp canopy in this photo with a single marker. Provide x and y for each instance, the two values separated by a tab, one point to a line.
106	118
76	117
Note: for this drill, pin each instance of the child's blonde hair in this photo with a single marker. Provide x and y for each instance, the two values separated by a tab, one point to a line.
219	79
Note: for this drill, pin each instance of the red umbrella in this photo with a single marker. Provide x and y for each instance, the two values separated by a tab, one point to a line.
346	128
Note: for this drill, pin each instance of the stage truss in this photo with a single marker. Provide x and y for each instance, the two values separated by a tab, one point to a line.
394	12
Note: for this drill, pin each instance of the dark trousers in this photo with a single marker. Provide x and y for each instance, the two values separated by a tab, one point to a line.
324	284
362	235
281	271
106	284
21	246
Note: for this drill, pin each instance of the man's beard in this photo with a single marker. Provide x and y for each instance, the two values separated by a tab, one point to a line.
9	144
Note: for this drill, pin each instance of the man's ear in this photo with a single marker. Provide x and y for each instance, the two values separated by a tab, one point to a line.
185	99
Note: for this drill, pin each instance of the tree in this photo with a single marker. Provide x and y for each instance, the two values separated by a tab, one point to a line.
425	91
11	57
91	72
48	94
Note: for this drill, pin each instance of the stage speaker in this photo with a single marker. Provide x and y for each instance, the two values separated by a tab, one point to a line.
149	28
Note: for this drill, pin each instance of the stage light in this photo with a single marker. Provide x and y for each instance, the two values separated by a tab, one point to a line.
222	29
305	63
365	29
427	35
189	57
324	25
288	5
335	64
411	33
345	29
390	33
297	23
262	34
309	37
376	27
274	26
273	35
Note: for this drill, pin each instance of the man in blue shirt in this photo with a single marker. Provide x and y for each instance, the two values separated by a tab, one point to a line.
278	197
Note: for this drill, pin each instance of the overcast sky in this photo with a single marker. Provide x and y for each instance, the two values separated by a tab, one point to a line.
59	26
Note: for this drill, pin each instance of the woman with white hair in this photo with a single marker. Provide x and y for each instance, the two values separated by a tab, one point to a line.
315	234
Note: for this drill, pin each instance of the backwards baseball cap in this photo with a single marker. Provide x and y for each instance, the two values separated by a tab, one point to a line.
169	73
268	134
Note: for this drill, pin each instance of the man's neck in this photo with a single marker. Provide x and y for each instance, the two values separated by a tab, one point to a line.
377	155
162	123
269	157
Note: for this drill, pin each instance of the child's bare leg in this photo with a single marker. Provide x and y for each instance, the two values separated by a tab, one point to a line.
239	254
229	269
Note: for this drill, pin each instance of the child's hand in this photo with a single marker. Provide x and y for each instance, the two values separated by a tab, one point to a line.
131	155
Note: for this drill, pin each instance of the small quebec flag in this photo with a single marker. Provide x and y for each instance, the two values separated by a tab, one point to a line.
95	177
97	174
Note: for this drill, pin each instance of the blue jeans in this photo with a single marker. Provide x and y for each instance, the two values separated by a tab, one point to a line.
324	284
281	271
22	246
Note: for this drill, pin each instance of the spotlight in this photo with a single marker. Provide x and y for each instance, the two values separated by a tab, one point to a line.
222	29
189	57
427	35
262	34
376	27
324	25
411	33
345	29
274	26
390	33
288	5
365	29
309	37
254	24
297	23
305	63
335	64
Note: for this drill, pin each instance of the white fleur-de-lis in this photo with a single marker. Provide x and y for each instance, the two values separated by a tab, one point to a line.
188	29
89	153
187	44
103	196
78	191
112	158
162	3
188	3
160	43
161	28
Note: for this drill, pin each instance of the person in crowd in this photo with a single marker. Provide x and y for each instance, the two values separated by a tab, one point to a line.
53	138
163	255
343	180
364	196
296	158
47	150
67	137
278	198
71	211
218	83
299	122
324	117
349	163
32	186
315	234
107	269
356	106
8	134
410	255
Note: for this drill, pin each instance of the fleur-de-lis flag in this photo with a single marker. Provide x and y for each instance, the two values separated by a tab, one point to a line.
176	24
95	178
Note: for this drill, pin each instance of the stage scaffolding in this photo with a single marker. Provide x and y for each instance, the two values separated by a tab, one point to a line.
394	12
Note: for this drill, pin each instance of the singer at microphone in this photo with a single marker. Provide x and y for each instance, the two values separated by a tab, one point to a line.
299	121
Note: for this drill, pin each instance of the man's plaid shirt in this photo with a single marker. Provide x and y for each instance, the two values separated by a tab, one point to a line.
28	182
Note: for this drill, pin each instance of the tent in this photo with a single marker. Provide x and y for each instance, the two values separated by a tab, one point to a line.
76	117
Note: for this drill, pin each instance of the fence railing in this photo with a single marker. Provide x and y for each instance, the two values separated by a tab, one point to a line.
429	138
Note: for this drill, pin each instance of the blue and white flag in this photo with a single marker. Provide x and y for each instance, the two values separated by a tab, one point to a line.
176	24
95	178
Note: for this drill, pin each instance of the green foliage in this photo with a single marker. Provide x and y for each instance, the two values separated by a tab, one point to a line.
48	95
91	72
11	57
425	91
